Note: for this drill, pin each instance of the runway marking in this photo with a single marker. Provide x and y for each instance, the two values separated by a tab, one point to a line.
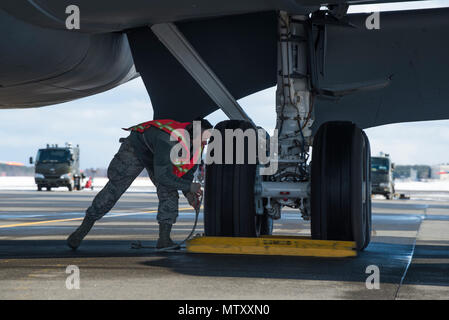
74	219
410	257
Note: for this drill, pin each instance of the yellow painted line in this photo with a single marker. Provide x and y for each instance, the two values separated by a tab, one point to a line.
274	245
75	219
38	222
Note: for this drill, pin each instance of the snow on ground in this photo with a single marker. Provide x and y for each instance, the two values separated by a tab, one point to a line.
415	189
27	183
424	190
429	185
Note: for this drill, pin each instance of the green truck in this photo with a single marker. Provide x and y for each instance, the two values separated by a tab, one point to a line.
382	176
58	167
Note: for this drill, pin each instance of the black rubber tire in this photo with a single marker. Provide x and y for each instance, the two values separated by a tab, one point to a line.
229	207
39	188
338	164
48	188
77	183
368	205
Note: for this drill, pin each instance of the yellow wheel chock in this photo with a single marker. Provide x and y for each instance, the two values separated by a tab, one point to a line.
273	245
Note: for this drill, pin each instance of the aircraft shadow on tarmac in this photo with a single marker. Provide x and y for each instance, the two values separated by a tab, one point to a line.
392	260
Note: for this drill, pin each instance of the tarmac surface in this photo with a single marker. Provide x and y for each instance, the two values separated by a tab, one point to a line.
410	246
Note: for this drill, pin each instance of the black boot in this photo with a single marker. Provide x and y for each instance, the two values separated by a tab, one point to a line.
164	236
74	240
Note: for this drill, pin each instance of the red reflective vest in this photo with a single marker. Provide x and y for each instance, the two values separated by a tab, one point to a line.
172	127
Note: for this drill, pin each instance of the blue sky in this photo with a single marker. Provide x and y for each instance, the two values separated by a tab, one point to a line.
95	124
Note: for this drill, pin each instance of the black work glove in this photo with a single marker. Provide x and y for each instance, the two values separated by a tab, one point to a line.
193	199
196	188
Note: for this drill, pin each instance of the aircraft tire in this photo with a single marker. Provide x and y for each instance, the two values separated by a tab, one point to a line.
229	207
368	206
339	165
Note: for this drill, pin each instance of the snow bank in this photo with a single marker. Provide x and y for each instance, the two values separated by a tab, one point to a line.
27	183
430	185
144	184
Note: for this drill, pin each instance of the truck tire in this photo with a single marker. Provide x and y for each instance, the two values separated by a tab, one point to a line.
229	207
77	183
48	188
338	194
39	188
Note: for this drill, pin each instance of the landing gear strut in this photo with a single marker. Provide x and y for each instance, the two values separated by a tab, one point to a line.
338	202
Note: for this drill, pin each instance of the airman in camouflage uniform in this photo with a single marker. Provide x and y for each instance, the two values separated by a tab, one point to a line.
148	150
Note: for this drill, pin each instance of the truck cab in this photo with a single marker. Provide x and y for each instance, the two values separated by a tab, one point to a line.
382	176
58	167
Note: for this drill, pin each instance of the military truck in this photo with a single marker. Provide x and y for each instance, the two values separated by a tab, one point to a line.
58	167
382	176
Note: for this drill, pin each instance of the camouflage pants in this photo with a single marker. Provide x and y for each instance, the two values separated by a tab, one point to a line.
122	171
